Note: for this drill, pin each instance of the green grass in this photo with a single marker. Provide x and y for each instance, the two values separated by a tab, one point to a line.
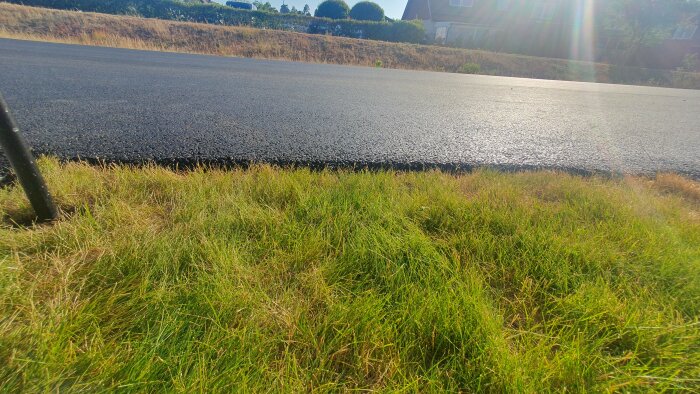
282	280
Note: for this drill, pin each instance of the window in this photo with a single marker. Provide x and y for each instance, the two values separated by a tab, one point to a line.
470	35
543	12
441	34
684	32
462	3
502	5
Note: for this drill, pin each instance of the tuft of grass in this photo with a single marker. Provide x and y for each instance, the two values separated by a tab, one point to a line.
674	183
271	279
470	68
31	23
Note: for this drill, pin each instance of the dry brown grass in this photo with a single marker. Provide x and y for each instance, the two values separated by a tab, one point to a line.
31	23
673	183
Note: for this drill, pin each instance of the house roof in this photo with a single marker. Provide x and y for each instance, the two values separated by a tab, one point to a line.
417	9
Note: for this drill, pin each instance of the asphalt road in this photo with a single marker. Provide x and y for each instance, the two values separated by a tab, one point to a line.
115	104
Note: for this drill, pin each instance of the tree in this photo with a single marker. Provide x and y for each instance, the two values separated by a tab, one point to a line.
334	9
307	10
644	23
367	11
265	7
284	9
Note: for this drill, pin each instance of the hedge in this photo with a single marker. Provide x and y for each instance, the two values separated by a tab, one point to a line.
399	31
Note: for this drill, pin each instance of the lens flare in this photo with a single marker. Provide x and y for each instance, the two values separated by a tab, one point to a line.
583	38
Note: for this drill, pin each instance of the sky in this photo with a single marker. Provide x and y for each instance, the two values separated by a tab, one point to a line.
392	8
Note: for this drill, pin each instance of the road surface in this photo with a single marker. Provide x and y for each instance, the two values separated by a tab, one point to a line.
125	105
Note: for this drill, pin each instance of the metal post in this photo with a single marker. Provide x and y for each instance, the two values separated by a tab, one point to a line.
22	161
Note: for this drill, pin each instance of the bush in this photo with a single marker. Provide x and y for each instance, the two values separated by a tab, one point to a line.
400	31
406	31
690	62
367	11
470	68
334	9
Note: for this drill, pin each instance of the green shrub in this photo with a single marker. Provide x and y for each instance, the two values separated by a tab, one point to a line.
470	68
406	31
265	7
333	9
690	62
367	11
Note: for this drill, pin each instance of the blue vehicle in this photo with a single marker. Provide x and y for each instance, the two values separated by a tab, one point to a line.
242	4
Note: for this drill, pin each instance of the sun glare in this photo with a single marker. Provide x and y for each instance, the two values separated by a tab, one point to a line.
583	34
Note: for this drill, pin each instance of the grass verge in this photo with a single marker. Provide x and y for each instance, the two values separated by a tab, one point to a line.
271	279
22	22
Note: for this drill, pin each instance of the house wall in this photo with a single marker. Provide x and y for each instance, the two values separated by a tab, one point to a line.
514	29
548	40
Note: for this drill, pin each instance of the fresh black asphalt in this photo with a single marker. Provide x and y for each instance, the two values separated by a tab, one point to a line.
133	106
